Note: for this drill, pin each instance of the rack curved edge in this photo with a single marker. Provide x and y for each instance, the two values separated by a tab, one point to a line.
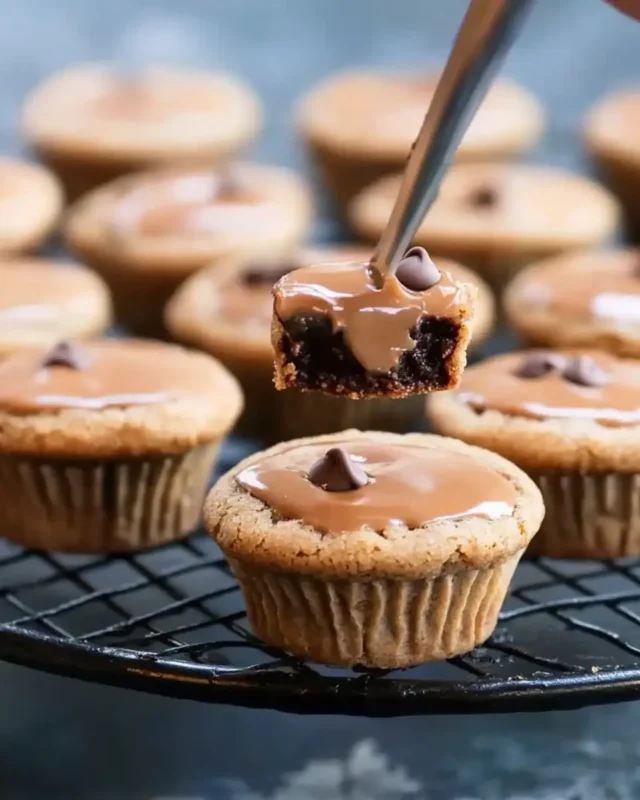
362	696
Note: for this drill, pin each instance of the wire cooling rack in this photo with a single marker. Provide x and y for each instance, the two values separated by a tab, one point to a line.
172	621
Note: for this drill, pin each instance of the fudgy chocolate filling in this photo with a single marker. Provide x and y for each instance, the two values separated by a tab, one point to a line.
324	361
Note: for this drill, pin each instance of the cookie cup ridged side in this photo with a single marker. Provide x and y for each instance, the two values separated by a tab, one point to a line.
384	623
115	479
380	599
588	474
103	506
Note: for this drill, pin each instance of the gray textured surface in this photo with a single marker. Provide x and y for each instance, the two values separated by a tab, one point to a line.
60	739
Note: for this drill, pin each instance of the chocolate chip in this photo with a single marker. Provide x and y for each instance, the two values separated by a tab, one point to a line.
416	271
535	365
336	471
230	184
268	273
66	354
483	197
585	371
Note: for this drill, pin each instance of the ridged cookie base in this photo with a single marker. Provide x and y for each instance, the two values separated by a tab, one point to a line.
589	516
386	623
103	506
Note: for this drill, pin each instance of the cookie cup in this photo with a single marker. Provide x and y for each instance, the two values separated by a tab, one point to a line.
586	299
114	479
90	124
383	599
359	126
610	138
538	212
143	269
589	475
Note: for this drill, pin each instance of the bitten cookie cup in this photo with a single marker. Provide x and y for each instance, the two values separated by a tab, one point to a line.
571	420
584	299
495	218
146	233
226	311
91	124
359	126
339	330
360	548
43	302
30	205
108	446
610	136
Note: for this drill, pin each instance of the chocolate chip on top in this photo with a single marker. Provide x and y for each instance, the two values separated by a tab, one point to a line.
336	471
535	365
585	371
268	273
416	271
66	354
483	197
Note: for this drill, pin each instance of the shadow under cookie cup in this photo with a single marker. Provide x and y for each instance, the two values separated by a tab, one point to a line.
380	599
111	479
588	473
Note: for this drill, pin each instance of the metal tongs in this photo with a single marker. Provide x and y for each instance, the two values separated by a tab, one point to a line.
487	31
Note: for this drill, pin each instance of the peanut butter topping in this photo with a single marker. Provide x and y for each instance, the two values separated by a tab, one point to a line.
113	373
602	286
193	203
549	385
34	295
247	298
147	97
376	322
405	485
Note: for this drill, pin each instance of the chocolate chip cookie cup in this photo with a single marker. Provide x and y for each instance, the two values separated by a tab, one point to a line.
108	447
571	420
146	233
496	218
360	548
586	299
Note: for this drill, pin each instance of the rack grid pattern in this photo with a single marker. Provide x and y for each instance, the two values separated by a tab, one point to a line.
172	621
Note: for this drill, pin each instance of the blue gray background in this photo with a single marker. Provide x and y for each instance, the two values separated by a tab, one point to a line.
63	739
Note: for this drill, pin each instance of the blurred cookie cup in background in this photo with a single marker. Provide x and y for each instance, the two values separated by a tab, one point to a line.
495	218
92	123
43	302
610	136
585	299
31	201
146	233
359	126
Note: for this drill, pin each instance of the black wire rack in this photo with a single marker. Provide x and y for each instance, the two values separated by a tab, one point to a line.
172	621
